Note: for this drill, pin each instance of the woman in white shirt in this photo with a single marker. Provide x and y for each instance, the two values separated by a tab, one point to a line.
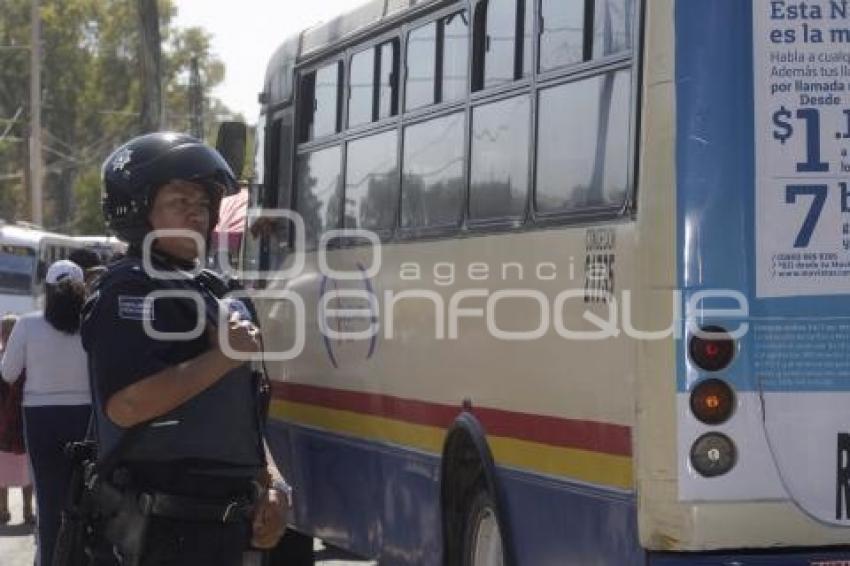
57	400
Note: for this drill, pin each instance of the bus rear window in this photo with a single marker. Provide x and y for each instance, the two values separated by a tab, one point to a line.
16	269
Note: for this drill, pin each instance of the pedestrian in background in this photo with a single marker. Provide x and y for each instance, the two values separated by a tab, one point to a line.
90	263
57	399
14	470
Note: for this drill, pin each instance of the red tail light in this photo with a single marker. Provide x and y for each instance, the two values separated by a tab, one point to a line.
713	350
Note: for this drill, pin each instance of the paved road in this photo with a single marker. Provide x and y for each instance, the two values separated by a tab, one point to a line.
17	547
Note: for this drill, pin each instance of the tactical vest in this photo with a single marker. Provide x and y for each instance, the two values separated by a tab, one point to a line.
221	424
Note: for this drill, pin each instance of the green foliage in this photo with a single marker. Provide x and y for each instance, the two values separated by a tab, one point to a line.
91	91
88	218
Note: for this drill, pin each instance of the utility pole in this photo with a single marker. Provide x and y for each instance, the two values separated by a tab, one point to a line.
36	156
151	58
196	101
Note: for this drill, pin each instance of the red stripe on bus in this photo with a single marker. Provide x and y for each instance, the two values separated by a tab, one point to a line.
569	433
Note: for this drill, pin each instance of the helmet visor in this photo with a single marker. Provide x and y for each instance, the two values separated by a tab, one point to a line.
193	162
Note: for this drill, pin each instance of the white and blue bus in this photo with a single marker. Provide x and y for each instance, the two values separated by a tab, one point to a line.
25	253
605	315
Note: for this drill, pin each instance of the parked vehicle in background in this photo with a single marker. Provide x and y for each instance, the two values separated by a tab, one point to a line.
25	252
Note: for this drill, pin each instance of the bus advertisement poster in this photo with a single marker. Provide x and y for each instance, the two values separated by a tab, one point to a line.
802	137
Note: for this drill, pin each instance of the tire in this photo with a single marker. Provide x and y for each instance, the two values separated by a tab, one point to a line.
482	536
294	549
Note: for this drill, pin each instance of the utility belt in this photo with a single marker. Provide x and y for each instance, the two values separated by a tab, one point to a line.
126	513
110	516
191	509
110	498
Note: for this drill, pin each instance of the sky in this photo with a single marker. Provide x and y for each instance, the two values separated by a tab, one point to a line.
245	35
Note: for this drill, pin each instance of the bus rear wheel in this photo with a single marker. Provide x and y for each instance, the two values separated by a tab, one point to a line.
482	539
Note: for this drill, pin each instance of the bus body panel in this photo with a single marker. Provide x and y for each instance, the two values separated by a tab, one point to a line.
561	440
750	507
337	478
555	522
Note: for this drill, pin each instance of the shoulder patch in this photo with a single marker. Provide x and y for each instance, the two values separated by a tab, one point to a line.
134	308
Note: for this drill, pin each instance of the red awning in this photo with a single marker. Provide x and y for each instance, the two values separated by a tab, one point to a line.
231	219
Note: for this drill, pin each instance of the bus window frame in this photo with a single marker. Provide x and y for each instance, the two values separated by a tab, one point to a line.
531	84
502	223
589	213
293	202
341	102
385	235
630	59
373	42
443	230
415	24
478	78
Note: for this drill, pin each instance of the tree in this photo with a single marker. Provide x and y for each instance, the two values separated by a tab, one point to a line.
92	97
14	65
150	56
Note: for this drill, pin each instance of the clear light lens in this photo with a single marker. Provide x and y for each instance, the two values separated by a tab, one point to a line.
713	455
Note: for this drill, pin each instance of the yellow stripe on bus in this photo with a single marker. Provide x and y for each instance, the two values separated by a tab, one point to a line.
583	465
367	427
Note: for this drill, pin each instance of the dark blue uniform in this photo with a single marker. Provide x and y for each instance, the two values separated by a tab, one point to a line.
207	450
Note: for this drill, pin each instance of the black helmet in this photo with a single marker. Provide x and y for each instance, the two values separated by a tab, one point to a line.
135	170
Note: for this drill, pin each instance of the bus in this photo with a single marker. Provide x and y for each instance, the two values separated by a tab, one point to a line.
550	282
26	251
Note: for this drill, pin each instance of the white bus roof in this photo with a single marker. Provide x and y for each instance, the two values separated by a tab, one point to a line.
314	41
22	235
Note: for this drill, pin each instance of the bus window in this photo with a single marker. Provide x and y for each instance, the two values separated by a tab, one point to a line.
374	87
388	63
371	183
317	197
421	67
433	179
17	264
582	155
362	82
454	33
562	33
320	102
612	27
439	50
499	175
502	41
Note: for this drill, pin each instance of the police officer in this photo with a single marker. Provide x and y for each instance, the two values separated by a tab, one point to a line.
189	415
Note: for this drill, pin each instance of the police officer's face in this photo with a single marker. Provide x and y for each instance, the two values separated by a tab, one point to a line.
181	205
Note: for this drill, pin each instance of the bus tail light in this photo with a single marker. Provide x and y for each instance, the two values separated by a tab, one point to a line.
712	401
713	454
713	349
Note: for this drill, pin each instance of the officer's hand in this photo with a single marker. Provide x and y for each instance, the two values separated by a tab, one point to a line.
269	519
242	336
